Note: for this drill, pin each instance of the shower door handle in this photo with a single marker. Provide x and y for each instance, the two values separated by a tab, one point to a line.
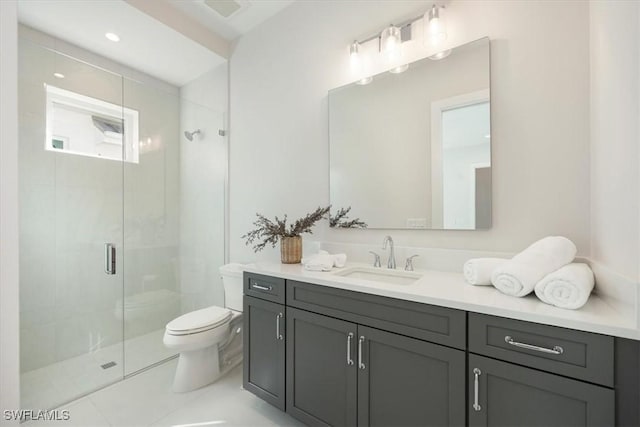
109	258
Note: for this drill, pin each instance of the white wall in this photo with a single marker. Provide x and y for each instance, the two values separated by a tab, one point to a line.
9	303
615	136
203	168
282	70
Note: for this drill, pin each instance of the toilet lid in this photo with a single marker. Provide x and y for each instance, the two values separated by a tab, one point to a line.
206	318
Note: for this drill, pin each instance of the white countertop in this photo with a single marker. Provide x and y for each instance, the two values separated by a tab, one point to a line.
451	290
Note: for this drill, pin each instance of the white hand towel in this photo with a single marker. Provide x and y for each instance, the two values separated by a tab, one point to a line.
339	260
569	287
477	271
318	262
519	276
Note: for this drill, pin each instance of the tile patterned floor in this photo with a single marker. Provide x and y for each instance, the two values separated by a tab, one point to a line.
146	399
52	385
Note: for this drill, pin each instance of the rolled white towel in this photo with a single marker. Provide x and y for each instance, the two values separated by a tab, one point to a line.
568	287
318	262
477	271
519	276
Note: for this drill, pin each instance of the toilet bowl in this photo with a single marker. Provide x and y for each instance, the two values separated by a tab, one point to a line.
209	340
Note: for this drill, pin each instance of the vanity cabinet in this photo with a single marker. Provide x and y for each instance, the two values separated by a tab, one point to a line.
264	350
505	394
344	374
360	359
321	373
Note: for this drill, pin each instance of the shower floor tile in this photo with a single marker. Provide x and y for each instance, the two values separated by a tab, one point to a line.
48	387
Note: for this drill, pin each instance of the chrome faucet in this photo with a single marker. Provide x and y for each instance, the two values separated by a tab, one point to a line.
392	256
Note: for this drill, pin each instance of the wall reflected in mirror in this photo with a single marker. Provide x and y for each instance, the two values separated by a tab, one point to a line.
413	149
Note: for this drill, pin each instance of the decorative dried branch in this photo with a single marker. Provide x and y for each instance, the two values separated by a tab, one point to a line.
270	232
339	220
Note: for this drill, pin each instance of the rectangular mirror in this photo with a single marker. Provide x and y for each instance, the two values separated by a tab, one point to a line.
413	150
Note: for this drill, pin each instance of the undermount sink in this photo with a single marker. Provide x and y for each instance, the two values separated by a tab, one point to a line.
383	275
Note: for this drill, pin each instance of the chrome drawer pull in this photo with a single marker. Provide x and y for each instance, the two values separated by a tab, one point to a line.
349	359
278	334
262	288
476	373
360	362
555	350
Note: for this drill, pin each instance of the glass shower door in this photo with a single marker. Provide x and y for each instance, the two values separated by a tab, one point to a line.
74	138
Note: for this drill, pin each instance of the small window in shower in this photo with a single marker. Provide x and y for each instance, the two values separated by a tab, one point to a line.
85	126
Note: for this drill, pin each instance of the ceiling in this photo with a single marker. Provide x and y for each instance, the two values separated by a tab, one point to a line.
145	43
250	14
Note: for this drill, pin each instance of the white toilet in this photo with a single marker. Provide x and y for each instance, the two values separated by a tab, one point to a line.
209	340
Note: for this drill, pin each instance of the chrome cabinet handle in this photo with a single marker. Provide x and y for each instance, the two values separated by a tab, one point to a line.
278	334
555	350
260	287
360	362
349	358
476	373
109	258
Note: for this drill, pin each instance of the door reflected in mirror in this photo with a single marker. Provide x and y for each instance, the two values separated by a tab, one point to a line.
413	150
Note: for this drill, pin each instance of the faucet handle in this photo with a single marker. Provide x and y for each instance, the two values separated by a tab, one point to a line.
409	264
376	259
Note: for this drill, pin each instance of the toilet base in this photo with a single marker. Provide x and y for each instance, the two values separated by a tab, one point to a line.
196	369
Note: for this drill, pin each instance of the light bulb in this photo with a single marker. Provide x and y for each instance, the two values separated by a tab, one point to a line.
390	41
354	55
399	69
113	37
435	26
440	55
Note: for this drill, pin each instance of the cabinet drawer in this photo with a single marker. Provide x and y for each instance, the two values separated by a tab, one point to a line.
264	287
423	321
571	353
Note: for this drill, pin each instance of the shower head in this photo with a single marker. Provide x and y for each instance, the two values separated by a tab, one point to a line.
190	135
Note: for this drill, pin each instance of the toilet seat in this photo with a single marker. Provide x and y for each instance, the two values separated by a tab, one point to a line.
199	321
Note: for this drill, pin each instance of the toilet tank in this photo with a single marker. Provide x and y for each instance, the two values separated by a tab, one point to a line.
232	282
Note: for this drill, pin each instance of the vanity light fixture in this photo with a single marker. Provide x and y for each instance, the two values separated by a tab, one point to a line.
390	41
435	26
113	37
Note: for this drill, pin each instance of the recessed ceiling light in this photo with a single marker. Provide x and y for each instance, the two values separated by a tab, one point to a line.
112	36
58	75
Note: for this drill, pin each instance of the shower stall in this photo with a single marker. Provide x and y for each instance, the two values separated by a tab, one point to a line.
121	197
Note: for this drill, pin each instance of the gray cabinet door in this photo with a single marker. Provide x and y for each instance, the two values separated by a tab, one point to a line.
407	382
504	394
321	370
264	350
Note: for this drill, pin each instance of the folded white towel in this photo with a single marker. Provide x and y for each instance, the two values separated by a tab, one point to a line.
568	287
477	271
519	276
339	260
318	262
